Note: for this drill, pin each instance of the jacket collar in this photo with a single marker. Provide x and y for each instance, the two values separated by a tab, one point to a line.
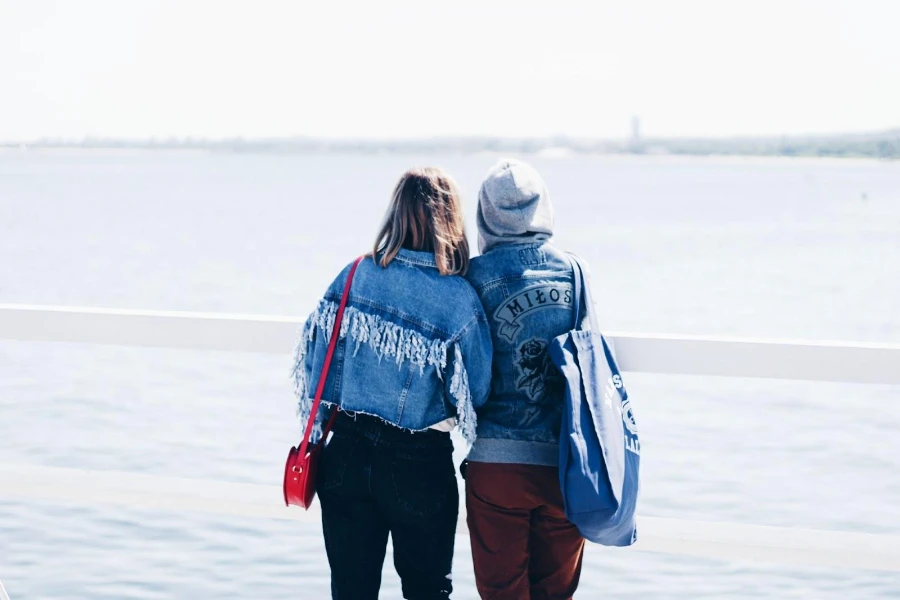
414	257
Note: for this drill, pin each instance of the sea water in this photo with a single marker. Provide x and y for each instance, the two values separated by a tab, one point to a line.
806	249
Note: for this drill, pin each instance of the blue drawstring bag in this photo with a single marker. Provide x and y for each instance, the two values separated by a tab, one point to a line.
599	450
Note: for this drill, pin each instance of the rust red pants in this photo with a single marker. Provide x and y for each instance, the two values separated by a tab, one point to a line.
523	546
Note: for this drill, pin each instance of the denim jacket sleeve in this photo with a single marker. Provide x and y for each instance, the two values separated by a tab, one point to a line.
304	357
469	367
312	343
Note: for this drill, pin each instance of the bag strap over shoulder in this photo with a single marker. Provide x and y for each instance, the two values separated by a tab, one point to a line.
584	301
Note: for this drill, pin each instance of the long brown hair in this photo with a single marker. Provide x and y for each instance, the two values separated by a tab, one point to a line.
425	214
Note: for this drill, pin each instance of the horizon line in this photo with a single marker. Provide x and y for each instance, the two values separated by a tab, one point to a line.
191	138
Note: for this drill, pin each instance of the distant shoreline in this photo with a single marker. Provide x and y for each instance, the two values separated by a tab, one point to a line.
882	145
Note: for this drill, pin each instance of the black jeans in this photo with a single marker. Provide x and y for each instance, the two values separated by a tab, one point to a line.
376	479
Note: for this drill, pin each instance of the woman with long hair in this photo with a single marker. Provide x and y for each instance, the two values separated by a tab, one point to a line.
413	360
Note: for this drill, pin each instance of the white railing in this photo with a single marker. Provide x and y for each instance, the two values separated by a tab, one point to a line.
819	361
682	355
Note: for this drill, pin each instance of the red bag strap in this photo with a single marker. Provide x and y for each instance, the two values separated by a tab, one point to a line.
335	334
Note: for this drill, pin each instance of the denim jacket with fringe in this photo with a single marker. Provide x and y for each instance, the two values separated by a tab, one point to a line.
526	290
415	347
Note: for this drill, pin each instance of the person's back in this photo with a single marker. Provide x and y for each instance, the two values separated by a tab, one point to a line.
407	329
522	544
526	290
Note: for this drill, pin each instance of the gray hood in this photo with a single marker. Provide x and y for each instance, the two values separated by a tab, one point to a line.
513	206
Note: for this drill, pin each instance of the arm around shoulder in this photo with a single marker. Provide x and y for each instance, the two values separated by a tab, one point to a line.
469	370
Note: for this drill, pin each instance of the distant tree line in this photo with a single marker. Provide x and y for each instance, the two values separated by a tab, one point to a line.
884	145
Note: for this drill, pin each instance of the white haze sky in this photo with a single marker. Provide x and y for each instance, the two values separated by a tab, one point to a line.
213	68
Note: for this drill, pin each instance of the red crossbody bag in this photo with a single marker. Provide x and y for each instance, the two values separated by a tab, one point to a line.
303	462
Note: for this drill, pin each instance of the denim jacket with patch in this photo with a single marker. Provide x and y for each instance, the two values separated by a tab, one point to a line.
415	347
527	293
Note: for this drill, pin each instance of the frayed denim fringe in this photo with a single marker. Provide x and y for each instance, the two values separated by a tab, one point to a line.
387	340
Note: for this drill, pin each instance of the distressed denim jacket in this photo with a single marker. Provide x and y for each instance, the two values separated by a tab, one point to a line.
527	292
415	347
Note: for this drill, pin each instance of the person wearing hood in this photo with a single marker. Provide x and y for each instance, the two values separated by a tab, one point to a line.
522	544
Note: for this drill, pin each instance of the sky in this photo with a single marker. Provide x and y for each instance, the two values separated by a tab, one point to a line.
422	68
